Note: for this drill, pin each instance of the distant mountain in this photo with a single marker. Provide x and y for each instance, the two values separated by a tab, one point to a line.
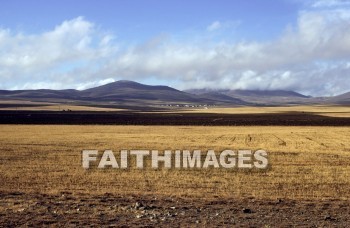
130	93
221	97
266	93
340	99
249	93
40	94
121	92
343	96
126	90
258	96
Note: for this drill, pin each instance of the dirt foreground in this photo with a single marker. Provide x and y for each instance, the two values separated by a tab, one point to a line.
67	209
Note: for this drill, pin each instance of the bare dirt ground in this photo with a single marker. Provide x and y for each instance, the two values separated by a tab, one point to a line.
196	119
66	209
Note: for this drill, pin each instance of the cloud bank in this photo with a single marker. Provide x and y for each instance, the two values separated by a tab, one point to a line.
312	57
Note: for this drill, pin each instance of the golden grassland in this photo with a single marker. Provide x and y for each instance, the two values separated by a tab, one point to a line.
46	106
325	110
305	162
63	107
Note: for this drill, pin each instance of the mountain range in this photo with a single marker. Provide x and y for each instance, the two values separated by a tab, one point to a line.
132	93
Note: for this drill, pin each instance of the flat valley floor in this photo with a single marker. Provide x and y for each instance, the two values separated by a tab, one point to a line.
43	182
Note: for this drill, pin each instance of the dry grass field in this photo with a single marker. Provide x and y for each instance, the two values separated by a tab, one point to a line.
43	182
326	110
305	162
47	106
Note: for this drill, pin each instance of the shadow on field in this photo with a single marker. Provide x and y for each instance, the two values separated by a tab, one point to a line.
196	119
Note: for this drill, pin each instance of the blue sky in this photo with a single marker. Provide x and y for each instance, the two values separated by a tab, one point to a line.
139	20
245	44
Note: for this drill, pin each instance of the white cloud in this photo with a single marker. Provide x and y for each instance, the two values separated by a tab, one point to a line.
87	85
290	62
311	57
217	25
34	60
330	3
214	26
66	42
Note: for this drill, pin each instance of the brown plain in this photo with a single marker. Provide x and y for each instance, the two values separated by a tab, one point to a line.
305	162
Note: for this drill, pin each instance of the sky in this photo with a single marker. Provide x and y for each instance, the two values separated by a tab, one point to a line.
300	45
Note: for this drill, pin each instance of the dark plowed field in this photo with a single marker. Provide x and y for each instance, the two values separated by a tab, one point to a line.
199	119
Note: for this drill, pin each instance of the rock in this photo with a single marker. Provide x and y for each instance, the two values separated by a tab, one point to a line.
138	205
124	208
247	211
329	218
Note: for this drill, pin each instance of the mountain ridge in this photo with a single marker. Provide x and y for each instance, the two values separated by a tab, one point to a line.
125	91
